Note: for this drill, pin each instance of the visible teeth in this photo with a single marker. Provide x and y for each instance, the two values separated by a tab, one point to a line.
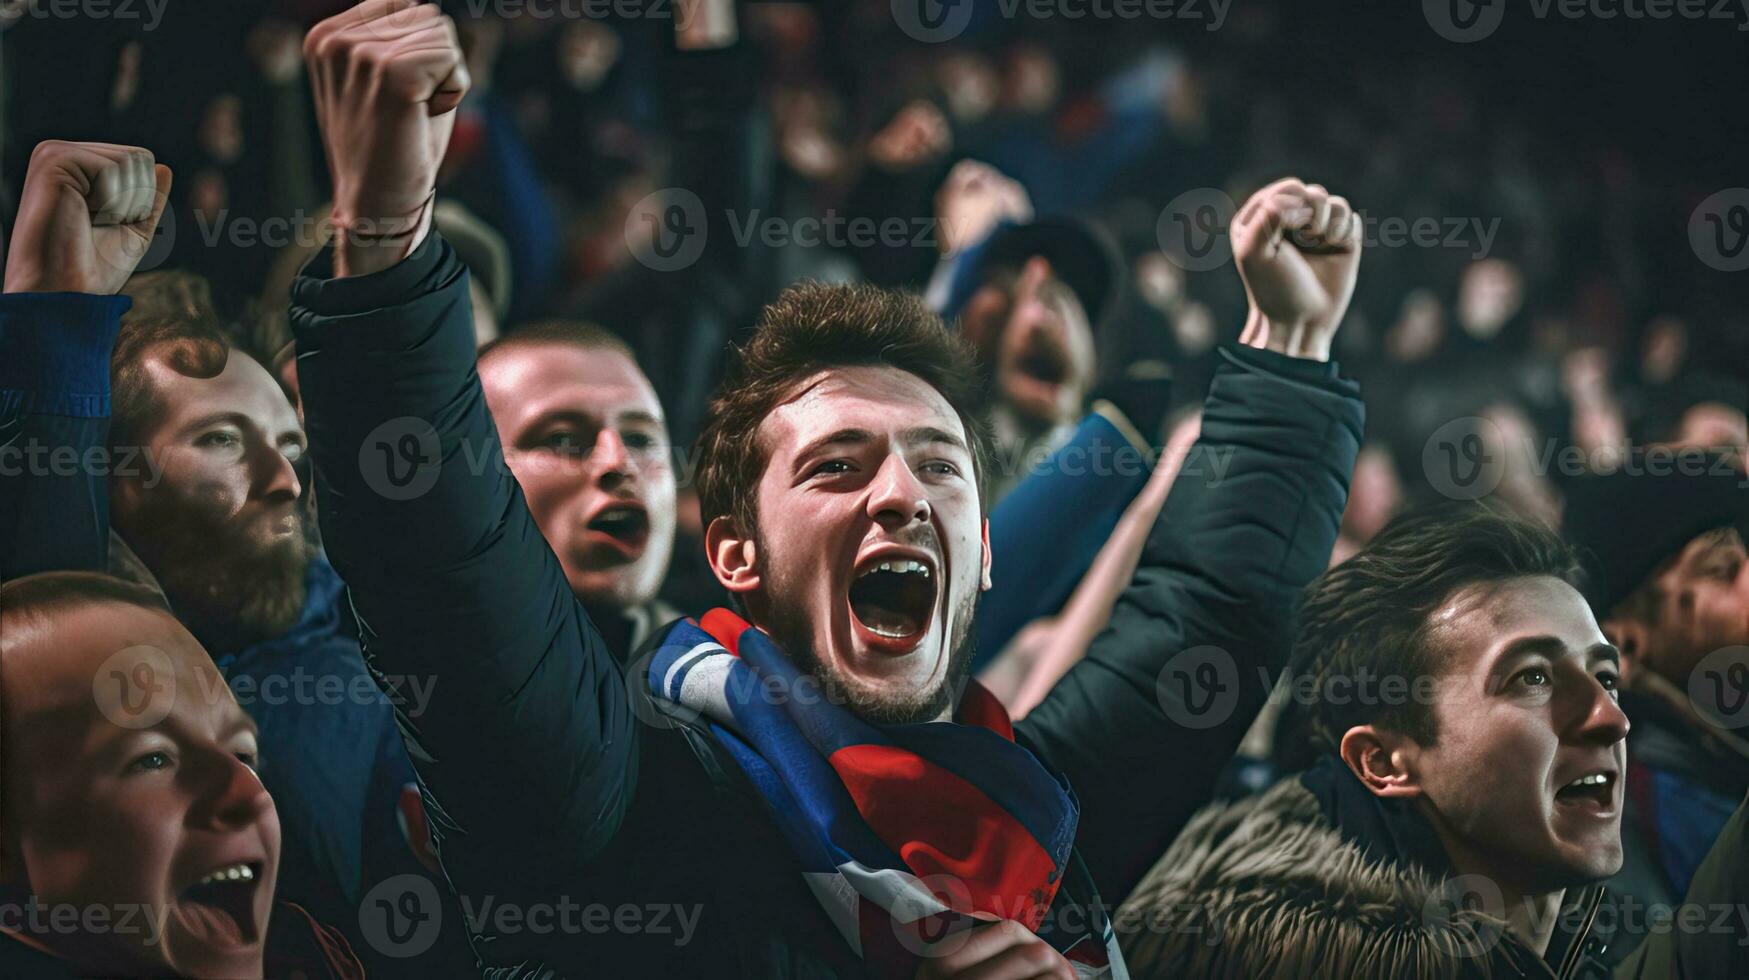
1595	779
899	568
236	872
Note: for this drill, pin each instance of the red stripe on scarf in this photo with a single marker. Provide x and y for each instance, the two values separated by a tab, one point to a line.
987	851
991	855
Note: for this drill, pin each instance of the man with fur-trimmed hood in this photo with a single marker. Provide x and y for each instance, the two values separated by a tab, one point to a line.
1468	795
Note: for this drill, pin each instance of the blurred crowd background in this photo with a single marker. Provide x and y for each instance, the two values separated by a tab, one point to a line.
1561	304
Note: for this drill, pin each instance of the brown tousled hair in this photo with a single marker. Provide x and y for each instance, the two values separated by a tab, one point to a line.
809	328
195	348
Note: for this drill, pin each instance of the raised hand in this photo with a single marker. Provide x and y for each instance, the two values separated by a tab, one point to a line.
1298	249
387	76
973	200
86	217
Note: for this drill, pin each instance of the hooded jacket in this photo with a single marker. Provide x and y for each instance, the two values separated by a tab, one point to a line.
1317	878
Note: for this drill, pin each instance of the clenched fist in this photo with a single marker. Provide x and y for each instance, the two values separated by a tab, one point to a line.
387	76
86	217
1298	249
973	200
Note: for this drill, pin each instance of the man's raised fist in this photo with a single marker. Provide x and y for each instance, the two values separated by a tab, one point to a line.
86	217
1298	249
387	76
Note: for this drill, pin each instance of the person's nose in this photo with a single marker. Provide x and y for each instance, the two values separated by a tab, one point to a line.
274	474
1601	721
235	796
896	497
610	462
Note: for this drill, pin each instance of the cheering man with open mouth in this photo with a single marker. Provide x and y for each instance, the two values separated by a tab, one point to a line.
812	776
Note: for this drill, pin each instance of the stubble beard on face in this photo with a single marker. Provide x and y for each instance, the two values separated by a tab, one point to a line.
228	588
794	635
789	627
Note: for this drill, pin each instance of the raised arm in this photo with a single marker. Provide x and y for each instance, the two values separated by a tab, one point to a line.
526	729
85	219
1144	724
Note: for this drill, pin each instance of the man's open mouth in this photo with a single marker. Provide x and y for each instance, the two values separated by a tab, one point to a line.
1595	789
219	909
627	525
1043	358
893	598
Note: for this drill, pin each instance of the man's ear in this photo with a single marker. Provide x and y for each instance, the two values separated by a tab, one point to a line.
734	559
1383	760
985	584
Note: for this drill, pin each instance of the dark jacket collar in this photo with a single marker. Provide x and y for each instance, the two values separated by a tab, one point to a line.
1394	832
1391	831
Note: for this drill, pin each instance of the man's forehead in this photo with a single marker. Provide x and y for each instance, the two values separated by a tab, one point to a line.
538	379
876	398
1483	617
58	657
243	386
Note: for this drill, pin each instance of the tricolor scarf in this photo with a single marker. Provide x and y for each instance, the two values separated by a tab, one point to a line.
906	834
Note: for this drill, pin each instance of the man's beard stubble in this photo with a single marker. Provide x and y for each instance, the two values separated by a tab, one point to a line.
230	590
794	636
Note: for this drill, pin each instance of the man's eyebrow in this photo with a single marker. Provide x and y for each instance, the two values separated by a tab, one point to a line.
845	437
566	413
242	723
1524	646
1550	646
639	415
926	434
215	418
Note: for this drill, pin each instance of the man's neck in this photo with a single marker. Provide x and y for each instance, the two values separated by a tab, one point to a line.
1530	915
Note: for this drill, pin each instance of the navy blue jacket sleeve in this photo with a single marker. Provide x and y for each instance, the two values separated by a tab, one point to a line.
1046	533
526	745
1250	521
54	424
